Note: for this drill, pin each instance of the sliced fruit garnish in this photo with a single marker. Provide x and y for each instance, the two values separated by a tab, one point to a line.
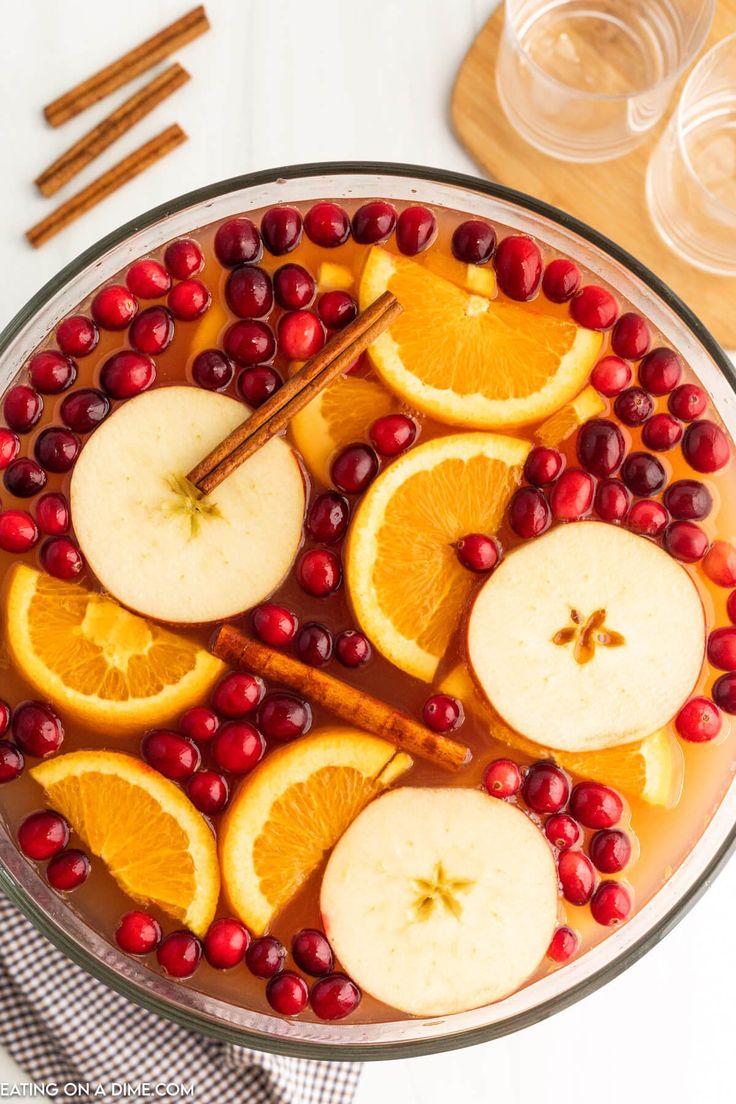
468	360
588	404
334	277
158	848
206	334
478	279
440	900
407	586
97	662
291	811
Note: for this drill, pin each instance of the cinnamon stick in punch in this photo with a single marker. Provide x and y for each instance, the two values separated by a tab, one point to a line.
345	701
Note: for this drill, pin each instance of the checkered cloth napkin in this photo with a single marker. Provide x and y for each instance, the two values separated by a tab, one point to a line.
61	1026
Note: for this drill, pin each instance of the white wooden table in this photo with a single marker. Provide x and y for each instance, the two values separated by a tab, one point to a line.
275	82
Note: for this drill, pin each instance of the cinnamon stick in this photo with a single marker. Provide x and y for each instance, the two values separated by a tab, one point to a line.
345	701
92	144
130	65
130	167
317	373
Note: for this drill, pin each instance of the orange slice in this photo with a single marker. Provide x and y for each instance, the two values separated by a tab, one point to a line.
100	664
158	848
588	404
406	584
291	811
468	360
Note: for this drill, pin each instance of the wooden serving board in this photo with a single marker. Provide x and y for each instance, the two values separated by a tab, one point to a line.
608	196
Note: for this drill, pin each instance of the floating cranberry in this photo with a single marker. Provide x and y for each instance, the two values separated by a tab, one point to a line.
612	500
12	762
561	280
722	648
284	716
249	292
258	384
648	518
114	308
208	791
24	477
265	956
643	474
42	835
416	229
474	242
61	557
188	300
126	374
22	407
312	952
354	468
314	644
237	747
57	449
281	228
183	258
152	331
148	279
237	241
594	308
199	723
212	370
250	342
699	720
393	434
595	805
77	336
688	500
51	372
328	518
352	648
18	531
334	997
274	624
225	943
562	831
443	713
563	945
633	406
705	446
293	287
571	497
600	447
542	466
577	877
287	993
68	870
687	402
502	778
611	904
85	409
374	222
724	695
518	267
179	954
610	850
138	933
337	309
301	334
238	694
4	716
545	788
631	338
171	754
661	432
529	512
9	447
319	572
477	552
327	225
611	376
719	564
660	371
686	541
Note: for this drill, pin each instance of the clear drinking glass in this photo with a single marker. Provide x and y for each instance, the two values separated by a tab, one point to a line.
691	179
585	80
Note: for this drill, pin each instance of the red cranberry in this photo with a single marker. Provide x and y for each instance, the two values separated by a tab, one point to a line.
561	280
18	531
328	518
442	713
52	372
148	279
611	376
238	694
4	716
293	287
612	500
61	557
138	933
719	564
42	835
699	720
287	993
545	788
57	449
225	944
126	374
327	224
502	778
314	644
188	300
319	572
208	791
152	331
24	477
577	877
474	242
722	648
179	954
393	434
354	468
594	308
77	336
724	693
337	309
300	334
562	831
600	447
529	512
265	956
477	552
274	624
518	267
258	384
281	228
610	850
9	447
284	716
572	495
705	446
237	241
250	342
688	500
199	723
249	292
660	371
172	755
22	408
687	402
352	648
374	222
661	432
648	518
83	410
595	805
183	258
237	747
643	474
312	953
114	308
686	541
416	229
68	869
334	997
611	904
12	762
563	945
633	406
631	338
212	370
542	466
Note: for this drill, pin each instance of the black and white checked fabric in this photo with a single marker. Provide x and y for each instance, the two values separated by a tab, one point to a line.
62	1026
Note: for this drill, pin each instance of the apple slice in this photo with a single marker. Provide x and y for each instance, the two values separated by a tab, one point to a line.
440	900
587	638
153	541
